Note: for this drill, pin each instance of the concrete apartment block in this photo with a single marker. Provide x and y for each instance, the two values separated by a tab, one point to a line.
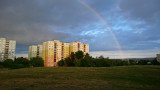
35	51
7	49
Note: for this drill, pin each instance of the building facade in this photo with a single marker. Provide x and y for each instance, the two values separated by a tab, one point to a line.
158	58
65	50
35	51
78	46
7	49
53	51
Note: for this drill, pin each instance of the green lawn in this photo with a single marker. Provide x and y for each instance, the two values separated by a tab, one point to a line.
114	78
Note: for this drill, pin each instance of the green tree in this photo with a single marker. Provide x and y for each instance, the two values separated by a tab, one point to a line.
1	64
79	54
22	61
87	55
84	62
69	62
88	61
61	63
142	62
77	62
155	62
101	57
72	56
132	62
37	62
8	63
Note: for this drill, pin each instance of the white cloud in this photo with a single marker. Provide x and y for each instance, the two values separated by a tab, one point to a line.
127	53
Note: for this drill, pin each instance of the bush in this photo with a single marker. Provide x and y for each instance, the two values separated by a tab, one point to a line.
37	62
79	54
22	61
132	62
84	63
142	62
90	60
77	62
101	63
69	62
87	61
61	63
72	56
155	62
1	64
8	63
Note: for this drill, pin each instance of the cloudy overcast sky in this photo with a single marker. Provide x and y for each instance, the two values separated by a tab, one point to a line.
136	24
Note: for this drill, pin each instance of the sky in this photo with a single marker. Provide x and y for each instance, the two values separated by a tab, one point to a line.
135	24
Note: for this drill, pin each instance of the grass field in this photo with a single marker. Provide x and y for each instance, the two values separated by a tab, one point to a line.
114	78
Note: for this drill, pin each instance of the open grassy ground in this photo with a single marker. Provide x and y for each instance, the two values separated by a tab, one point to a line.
117	78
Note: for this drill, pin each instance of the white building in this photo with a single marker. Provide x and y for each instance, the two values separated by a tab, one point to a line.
158	57
35	51
7	49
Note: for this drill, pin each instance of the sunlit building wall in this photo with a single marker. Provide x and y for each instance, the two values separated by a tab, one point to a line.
65	50
52	53
44	55
7	49
86	48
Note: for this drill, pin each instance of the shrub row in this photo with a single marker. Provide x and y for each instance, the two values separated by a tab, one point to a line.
22	63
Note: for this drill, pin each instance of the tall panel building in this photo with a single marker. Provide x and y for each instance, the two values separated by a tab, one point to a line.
7	49
52	53
35	51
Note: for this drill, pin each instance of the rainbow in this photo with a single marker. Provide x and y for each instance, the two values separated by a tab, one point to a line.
106	24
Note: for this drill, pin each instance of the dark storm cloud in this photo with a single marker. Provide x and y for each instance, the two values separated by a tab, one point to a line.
41	20
146	10
34	21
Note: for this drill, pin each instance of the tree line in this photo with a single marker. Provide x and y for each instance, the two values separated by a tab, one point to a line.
78	59
22	63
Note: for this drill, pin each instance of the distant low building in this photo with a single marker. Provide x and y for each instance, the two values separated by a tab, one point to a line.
158	57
